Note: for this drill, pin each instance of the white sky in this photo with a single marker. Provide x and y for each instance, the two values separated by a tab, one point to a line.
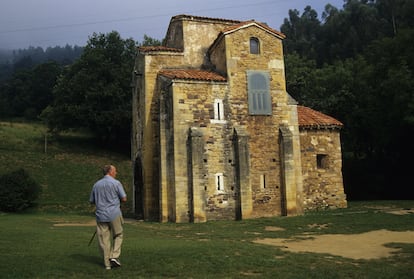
44	23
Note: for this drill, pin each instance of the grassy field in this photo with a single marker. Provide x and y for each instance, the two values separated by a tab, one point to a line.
56	246
52	241
65	168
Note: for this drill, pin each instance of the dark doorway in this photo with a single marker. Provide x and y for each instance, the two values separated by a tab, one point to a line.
138	187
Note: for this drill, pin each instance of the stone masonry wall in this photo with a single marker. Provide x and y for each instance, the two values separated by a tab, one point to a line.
263	131
197	35
194	106
146	125
322	185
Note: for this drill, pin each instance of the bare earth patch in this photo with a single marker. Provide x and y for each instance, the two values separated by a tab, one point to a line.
91	223
393	210
68	224
369	245
274	229
401	211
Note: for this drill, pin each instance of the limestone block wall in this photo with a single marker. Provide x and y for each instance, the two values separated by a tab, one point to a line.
322	169
263	130
145	126
193	109
217	58
194	35
174	37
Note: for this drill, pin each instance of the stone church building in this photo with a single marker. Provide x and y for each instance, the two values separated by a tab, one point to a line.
217	137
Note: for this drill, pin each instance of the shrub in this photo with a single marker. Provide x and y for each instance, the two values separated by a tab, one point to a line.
18	191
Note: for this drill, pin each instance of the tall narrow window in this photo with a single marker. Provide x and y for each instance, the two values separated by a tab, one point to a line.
218	109
219	182
263	181
254	46
322	161
259	93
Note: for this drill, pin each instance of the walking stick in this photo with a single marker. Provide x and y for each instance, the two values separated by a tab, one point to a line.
90	241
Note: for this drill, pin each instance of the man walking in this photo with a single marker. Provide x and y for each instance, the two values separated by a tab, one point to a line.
107	195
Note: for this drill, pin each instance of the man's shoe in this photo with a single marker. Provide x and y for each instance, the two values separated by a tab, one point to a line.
115	262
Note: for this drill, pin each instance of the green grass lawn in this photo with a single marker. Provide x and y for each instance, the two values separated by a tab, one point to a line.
66	169
32	244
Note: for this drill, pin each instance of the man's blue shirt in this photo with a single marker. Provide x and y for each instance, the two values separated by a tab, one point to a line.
106	195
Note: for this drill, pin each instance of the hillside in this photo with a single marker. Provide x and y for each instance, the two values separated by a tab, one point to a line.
66	167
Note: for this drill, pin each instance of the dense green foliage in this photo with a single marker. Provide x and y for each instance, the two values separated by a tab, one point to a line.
358	66
27	78
18	191
94	92
29	92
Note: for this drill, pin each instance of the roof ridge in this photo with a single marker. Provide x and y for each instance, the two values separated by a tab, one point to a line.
158	48
182	16
252	21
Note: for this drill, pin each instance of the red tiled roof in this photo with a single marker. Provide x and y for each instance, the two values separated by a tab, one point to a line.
191	17
158	48
309	118
192	74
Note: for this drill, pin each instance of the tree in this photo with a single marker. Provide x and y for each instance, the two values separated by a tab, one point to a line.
298	76
149	41
398	14
302	32
94	92
27	58
362	74
29	91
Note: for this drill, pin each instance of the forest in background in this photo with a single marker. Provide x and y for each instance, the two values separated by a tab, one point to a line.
12	61
354	63
357	64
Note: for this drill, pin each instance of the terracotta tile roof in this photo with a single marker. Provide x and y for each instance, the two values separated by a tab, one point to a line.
309	118
253	22
192	74
158	48
191	17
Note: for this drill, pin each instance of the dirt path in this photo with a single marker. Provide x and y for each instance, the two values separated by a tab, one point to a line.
369	245
91	223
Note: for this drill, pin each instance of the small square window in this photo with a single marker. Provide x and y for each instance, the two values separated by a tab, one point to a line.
322	161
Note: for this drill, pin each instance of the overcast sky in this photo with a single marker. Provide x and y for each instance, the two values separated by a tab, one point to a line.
44	23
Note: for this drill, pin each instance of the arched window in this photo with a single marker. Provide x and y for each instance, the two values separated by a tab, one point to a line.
259	93
254	45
